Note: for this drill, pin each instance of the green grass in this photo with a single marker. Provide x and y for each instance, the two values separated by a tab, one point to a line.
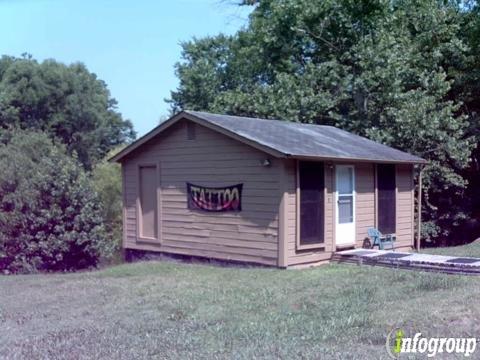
185	311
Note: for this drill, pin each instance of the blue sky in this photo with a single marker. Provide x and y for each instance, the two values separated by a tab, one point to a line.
131	45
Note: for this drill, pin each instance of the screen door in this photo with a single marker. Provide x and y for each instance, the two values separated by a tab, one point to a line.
345	201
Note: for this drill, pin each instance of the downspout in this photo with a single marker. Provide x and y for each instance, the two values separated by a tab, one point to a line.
419	205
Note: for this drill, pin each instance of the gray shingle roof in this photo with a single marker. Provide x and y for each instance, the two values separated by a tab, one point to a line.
307	140
290	139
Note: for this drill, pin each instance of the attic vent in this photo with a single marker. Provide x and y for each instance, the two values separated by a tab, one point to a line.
190	131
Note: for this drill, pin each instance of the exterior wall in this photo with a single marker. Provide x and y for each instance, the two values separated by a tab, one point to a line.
366	207
212	160
365	210
265	231
405	206
364	200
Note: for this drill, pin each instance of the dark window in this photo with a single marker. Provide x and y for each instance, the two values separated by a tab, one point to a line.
190	131
386	198
311	202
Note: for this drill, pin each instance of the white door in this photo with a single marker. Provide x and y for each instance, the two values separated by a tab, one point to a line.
345	208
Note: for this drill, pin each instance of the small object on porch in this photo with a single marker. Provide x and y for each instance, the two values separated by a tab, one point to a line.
380	240
367	244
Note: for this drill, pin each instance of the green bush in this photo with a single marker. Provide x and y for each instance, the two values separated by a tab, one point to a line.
50	216
107	182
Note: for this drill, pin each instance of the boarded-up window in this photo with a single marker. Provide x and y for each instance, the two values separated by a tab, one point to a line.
311	202
386	198
148	201
190	131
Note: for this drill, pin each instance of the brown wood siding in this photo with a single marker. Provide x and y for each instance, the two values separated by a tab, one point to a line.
404	221
364	201
130	197
252	235
213	160
283	217
330	208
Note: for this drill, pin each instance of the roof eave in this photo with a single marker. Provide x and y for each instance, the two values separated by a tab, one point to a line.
352	159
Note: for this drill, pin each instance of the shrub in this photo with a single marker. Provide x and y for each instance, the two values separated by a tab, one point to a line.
107	182
50	217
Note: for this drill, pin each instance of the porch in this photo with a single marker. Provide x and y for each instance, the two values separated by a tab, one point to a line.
410	261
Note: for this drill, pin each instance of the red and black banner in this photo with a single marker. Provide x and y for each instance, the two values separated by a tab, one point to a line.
215	199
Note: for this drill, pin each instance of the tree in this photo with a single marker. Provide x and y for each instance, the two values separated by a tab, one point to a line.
67	102
466	88
50	216
382	69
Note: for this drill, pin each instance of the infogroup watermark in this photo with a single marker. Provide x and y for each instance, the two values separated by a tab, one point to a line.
398	343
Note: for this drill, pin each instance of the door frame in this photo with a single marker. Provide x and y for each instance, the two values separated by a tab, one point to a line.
354	202
157	240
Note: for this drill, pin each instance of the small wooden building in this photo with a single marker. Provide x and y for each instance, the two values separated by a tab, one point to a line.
262	191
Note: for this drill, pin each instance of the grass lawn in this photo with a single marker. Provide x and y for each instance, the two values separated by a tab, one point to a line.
185	311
